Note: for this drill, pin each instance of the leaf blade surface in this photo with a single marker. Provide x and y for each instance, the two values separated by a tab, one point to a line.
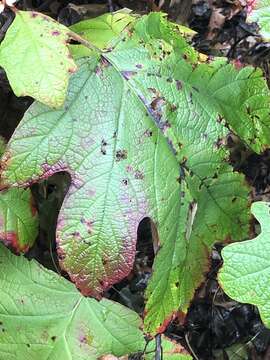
42	65
245	273
55	320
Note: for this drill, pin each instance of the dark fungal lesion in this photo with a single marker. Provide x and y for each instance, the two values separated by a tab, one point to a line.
121	155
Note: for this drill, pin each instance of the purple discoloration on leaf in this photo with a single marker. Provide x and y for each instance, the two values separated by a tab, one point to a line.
128	74
138	175
179	85
88	224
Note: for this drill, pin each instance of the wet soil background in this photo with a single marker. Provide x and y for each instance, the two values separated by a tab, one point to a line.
216	327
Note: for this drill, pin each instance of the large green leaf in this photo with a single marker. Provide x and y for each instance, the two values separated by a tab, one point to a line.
18	216
245	275
43	316
143	134
36	58
260	12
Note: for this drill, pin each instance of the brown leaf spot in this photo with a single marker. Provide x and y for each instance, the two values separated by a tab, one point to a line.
88	224
148	133
103	147
125	182
138	175
179	85
121	155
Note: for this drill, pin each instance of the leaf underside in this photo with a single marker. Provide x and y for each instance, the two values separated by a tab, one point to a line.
130	118
245	275
36	58
44	317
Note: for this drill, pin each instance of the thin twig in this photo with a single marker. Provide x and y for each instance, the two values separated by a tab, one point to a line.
190	348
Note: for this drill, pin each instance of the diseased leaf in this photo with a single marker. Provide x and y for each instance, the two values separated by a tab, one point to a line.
100	31
43	316
259	12
18	216
18	219
36	58
143	134
112	173
245	275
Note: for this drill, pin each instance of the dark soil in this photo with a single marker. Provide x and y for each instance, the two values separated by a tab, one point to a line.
216	327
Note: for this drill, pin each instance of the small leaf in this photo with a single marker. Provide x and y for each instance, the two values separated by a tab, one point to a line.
260	13
245	275
43	316
18	219
18	216
36	58
100	31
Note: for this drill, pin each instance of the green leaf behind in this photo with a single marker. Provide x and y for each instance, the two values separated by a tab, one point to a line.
245	275
260	13
43	316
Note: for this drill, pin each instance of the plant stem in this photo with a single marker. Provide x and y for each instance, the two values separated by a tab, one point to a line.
84	42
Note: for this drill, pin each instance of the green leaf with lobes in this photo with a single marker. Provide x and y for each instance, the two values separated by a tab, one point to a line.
245	274
36	58
130	118
259	12
18	216
61	323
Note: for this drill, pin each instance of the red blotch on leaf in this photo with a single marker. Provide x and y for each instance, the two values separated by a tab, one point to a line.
11	240
55	33
251	5
161	329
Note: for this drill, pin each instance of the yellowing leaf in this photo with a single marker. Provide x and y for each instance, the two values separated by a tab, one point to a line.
36	58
